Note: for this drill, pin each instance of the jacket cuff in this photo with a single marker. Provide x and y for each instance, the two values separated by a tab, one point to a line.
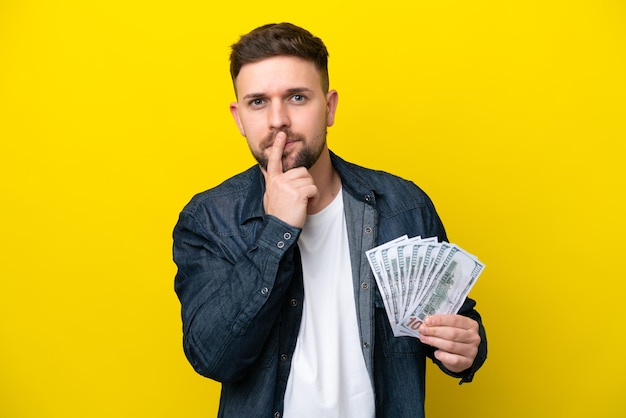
278	236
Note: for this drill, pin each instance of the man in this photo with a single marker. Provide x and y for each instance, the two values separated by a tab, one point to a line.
278	300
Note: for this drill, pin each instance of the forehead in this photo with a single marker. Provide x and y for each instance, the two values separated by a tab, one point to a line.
277	74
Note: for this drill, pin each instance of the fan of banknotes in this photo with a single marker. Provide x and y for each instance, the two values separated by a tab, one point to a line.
421	277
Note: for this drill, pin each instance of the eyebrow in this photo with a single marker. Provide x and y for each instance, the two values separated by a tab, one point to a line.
289	91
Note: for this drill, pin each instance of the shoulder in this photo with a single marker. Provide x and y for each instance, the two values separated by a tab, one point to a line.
389	189
403	207
226	207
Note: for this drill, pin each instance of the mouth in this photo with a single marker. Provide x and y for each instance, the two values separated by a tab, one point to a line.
290	143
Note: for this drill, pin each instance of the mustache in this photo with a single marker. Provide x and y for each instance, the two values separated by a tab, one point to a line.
291	136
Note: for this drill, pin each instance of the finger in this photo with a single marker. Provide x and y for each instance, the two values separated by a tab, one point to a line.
455	321
448	333
445	337
455	346
453	362
275	160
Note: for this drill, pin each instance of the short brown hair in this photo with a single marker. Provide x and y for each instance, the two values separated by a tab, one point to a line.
276	39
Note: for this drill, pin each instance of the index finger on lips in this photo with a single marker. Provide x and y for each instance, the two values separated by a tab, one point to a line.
275	160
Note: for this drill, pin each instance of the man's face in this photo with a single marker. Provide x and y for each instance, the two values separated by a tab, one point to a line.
283	93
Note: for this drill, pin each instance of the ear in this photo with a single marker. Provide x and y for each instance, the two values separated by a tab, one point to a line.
234	110
332	97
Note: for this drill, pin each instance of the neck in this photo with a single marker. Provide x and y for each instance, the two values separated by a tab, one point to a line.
327	181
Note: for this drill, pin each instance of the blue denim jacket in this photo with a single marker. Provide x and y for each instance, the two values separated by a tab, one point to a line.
239	282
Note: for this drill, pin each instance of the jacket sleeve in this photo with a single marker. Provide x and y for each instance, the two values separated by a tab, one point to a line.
230	292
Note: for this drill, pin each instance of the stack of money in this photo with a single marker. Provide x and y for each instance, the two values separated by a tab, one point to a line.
421	277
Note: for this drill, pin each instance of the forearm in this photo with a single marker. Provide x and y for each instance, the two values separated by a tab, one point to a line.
230	301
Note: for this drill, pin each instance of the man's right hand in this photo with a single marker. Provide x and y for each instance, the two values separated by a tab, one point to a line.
287	193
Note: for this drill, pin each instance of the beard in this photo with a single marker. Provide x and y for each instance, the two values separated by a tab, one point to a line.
306	156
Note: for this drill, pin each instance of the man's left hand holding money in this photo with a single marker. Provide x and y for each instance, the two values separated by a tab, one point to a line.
455	337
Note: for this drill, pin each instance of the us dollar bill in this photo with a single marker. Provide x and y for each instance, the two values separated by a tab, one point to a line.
420	277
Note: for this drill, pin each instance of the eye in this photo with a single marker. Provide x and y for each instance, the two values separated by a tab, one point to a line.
298	98
256	102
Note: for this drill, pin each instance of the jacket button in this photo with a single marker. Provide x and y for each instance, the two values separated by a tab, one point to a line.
293	302
368	198
366	344
368	229
280	244
264	291
365	286
283	357
287	235
276	414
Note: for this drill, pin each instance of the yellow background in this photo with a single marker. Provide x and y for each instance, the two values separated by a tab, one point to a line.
511	115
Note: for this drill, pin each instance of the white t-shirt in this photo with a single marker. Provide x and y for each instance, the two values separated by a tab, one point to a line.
328	377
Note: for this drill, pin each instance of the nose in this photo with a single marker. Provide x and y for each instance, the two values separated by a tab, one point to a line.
278	116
